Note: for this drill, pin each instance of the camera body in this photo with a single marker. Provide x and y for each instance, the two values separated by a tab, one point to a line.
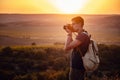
69	26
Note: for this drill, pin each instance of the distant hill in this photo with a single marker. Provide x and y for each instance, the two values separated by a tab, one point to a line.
110	21
9	41
48	28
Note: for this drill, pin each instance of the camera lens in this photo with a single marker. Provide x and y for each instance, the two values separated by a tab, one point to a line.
64	27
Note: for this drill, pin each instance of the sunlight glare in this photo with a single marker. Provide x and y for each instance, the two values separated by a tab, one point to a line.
69	6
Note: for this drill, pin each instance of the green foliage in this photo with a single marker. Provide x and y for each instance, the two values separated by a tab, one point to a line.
7	50
109	57
51	63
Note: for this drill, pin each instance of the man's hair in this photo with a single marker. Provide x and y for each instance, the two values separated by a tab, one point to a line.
78	19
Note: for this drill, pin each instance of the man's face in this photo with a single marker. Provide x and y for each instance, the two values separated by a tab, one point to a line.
76	26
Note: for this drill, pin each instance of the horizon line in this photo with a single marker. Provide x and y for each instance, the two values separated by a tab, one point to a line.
57	14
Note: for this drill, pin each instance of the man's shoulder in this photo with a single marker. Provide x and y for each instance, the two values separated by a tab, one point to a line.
83	34
82	37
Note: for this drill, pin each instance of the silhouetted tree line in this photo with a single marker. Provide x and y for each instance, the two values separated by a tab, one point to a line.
52	63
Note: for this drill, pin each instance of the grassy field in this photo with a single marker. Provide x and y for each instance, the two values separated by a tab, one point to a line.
52	63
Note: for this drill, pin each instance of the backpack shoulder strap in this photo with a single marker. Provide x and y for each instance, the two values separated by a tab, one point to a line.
89	35
94	45
85	32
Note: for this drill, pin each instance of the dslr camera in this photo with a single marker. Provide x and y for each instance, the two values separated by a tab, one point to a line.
69	26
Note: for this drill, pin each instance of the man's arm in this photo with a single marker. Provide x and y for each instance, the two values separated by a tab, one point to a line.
70	44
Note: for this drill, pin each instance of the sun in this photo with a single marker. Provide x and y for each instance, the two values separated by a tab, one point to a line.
69	6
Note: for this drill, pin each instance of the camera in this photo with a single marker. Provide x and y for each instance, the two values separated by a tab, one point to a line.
69	26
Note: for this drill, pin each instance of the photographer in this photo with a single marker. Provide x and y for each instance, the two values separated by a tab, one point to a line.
81	41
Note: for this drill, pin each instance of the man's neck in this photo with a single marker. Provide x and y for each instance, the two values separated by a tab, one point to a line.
79	31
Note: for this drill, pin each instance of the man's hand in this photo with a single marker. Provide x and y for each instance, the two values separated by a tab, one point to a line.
68	31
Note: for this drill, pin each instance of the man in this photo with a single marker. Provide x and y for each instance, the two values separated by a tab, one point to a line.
81	42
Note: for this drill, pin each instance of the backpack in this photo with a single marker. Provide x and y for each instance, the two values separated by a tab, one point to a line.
91	59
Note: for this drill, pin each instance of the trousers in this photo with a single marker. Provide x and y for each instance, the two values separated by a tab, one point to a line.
76	74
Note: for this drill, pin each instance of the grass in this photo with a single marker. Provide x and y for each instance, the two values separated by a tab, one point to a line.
52	63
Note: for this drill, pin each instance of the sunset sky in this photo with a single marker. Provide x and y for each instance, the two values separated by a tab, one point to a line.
60	6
